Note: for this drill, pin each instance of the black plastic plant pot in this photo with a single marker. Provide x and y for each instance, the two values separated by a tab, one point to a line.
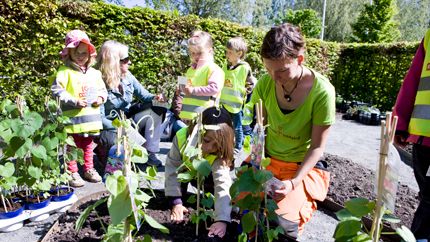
63	197
35	206
12	214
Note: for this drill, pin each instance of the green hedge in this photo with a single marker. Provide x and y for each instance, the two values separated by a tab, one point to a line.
33	33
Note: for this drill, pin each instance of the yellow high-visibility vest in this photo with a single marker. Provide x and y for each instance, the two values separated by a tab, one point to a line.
234	91
420	119
192	104
83	120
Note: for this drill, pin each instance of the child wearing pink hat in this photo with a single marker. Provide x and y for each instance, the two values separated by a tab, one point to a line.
81	90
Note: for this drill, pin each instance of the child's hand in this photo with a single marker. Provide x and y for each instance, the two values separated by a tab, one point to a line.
177	214
188	90
217	228
98	102
81	103
160	97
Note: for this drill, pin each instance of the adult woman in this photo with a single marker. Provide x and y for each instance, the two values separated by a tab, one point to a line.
299	106
113	61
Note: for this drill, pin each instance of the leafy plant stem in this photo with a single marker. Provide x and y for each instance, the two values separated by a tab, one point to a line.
4	203
198	205
100	221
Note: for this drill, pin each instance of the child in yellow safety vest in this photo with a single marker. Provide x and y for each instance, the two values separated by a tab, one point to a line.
81	90
205	79
238	77
217	149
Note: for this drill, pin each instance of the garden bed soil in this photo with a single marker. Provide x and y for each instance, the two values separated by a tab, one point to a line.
348	180
13	207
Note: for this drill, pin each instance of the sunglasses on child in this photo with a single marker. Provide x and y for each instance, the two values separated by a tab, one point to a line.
125	60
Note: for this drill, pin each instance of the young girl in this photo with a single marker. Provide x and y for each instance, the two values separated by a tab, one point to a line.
205	78
217	147
81	90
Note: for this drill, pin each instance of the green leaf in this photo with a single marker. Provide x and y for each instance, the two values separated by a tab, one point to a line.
119	206
243	237
208	200
34	172
247	183
248	222
151	171
22	151
347	229
50	143
390	218
114	233
116	183
202	166
39	151
84	215
147	238
344	214
7	170
359	207
116	123
406	234
362	238
192	199
261	176
155	224
185	176
250	202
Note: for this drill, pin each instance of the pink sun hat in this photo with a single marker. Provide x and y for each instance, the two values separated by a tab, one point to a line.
73	39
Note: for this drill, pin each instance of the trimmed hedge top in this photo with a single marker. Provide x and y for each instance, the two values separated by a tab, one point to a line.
33	35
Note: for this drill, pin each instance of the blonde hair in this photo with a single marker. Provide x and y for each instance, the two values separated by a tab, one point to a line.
237	44
200	39
108	62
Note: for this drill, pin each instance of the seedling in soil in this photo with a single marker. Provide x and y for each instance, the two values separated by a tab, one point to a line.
350	226
197	168
249	190
126	202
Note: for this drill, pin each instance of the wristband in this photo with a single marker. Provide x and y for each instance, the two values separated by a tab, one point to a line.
292	185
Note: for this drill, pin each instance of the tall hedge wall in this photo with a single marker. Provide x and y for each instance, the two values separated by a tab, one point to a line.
33	33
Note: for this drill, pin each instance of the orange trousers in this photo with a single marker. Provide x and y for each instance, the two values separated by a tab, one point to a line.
298	205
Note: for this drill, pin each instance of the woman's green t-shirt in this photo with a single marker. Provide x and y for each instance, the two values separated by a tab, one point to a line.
288	136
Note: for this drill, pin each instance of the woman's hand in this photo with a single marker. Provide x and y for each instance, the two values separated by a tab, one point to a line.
217	228
279	194
177	214
188	90
98	102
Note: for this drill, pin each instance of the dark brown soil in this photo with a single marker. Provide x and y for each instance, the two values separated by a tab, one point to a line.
348	180
13	207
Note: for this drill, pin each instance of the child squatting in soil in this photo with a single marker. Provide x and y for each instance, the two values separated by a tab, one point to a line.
217	148
81	90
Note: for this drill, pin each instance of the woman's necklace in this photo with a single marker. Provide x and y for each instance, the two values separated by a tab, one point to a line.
287	95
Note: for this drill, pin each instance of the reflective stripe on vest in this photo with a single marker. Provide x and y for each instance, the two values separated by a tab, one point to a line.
248	114
192	105
420	119
82	120
181	136
233	93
